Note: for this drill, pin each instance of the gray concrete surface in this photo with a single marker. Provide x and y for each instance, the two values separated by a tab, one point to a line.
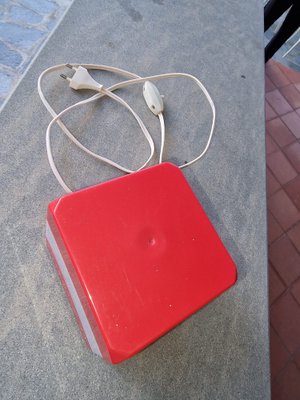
221	352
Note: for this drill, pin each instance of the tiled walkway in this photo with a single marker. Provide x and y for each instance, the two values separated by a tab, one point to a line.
24	27
283	190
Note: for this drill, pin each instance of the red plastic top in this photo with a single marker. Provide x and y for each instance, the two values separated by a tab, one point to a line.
145	253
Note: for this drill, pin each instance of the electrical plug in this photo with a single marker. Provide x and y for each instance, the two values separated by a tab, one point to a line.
81	79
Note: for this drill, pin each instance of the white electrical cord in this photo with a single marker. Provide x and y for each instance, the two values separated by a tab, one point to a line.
82	80
76	141
162	135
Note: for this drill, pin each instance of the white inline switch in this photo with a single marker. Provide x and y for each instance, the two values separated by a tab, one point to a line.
153	98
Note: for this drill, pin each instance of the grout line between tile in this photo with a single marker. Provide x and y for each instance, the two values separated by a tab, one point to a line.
282	342
292	284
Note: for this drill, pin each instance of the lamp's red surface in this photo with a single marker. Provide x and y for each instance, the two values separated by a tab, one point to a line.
137	255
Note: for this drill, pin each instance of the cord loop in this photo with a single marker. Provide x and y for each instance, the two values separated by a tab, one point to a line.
82	80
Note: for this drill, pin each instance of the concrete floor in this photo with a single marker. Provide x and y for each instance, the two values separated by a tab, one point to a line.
223	350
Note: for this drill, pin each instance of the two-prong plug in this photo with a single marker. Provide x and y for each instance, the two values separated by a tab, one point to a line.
81	79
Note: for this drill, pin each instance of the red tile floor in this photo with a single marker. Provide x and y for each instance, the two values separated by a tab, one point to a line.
283	191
